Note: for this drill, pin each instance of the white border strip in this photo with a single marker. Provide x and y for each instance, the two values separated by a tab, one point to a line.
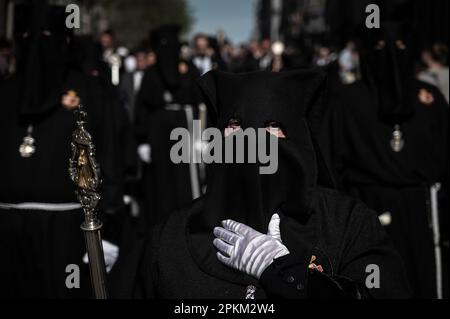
434	190
195	183
41	206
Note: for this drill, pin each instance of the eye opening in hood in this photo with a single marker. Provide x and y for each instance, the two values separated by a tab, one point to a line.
276	129
234	125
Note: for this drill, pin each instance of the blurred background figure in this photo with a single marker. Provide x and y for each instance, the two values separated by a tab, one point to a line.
107	45
6	59
325	56
265	54
167	99
349	63
389	140
206	57
203	54
113	55
132	80
435	60
152	58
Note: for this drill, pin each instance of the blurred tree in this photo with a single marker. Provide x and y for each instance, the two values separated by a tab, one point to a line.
132	20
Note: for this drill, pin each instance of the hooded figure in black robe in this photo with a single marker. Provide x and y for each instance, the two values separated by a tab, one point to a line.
168	99
39	215
389	141
332	241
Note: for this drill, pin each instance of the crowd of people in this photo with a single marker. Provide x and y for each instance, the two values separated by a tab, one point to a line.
216	52
379	128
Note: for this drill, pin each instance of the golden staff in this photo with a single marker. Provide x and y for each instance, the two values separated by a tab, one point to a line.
85	173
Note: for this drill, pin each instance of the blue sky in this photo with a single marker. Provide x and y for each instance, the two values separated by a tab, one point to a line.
236	17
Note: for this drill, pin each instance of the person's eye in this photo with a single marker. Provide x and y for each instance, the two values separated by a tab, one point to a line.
234	125
380	45
275	129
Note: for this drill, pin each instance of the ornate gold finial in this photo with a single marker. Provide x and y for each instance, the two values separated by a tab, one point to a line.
84	172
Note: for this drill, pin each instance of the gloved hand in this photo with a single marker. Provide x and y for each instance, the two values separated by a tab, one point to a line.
111	252
145	153
244	249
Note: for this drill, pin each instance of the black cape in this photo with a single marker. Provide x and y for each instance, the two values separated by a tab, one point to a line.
342	233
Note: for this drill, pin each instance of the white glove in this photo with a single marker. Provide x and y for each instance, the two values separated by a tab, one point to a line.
111	252
244	249
145	153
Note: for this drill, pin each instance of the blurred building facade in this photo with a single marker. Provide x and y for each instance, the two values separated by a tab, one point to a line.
92	15
291	21
335	21
131	19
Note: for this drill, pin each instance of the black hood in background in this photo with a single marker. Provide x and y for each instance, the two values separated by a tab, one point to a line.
86	56
42	48
389	71
165	43
389	65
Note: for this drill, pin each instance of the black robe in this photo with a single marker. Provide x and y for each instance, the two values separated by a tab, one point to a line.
394	183
166	186
38	245
342	233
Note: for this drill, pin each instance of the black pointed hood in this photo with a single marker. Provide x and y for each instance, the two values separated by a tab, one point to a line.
165	42
239	191
388	61
390	70
41	38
